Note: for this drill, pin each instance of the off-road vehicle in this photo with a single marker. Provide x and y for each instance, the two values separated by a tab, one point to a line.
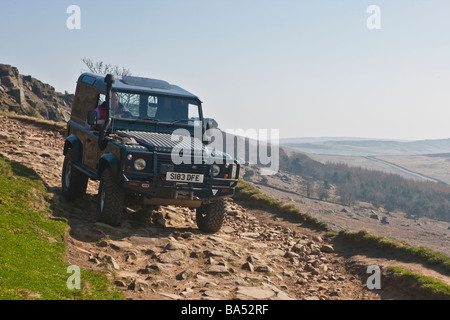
154	153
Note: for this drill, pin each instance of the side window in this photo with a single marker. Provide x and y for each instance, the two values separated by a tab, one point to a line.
89	80
193	112
152	106
130	101
101	99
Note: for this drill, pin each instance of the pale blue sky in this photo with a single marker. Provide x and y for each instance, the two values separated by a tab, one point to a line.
307	68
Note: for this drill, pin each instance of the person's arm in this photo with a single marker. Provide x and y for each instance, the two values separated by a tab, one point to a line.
99	120
124	112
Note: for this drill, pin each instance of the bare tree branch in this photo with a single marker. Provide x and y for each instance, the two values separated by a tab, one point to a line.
99	67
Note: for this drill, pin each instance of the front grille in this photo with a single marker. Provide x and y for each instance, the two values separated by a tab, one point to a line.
165	164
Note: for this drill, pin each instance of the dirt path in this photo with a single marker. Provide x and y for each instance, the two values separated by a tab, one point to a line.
256	255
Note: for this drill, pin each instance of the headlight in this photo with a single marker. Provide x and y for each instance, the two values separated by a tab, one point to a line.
216	170
139	164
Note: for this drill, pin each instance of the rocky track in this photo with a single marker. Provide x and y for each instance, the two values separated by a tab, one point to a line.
256	255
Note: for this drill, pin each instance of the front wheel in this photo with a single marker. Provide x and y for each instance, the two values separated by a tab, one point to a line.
110	201
74	182
210	216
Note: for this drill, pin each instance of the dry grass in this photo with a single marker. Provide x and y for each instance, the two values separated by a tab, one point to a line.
436	166
58	126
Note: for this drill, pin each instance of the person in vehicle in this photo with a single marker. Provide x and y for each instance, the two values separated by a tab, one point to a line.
118	110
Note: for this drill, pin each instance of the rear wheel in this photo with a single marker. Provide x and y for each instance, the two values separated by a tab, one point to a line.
110	200
210	216
74	182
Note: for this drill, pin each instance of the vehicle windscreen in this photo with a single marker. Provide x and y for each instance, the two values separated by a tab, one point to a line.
125	105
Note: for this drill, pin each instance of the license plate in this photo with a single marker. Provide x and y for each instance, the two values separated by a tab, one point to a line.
184	177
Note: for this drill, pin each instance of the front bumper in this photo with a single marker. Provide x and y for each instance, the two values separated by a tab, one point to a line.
155	188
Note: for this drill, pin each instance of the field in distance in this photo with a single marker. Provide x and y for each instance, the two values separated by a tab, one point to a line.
434	167
419	160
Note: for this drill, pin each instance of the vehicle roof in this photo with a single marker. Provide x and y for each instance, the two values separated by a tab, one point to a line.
136	84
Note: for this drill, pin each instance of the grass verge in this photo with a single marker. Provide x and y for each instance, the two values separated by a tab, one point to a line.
32	249
398	248
425	286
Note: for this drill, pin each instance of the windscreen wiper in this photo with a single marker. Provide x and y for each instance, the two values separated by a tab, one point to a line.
179	120
149	119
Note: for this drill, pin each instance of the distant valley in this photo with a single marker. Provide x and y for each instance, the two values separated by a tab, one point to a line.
367	147
423	160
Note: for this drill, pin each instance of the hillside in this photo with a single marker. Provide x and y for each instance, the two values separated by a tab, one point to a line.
367	147
25	95
423	231
266	250
426	198
434	167
32	245
258	254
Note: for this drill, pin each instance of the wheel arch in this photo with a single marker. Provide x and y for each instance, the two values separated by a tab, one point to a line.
109	160
74	143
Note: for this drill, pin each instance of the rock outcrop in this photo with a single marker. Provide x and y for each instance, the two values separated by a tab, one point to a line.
26	95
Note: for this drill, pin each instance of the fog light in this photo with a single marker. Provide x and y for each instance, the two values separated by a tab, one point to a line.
139	164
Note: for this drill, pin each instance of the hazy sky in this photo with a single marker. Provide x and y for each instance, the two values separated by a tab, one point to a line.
307	68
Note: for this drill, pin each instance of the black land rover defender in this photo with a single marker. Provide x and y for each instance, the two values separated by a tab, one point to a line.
150	149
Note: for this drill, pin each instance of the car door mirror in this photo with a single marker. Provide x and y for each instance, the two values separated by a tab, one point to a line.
210	124
92	118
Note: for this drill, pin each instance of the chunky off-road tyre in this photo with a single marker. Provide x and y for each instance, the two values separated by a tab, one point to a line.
210	216
110	199
74	182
